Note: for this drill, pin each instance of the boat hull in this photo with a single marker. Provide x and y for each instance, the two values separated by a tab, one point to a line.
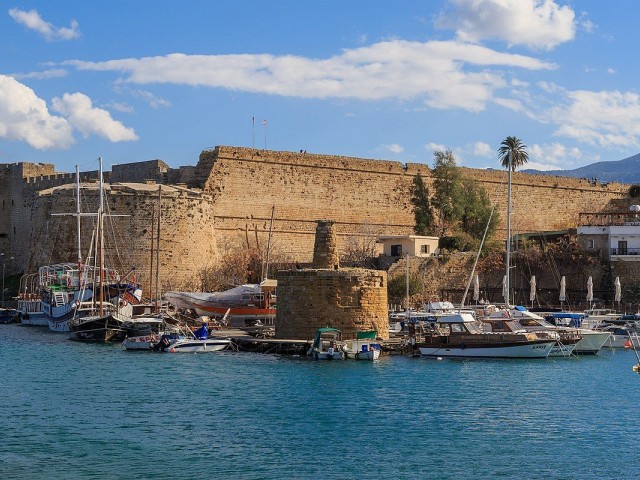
195	346
98	329
37	319
591	342
529	350
368	356
143	342
562	350
335	355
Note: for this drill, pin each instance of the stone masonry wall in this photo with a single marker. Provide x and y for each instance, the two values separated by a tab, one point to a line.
350	300
364	196
187	243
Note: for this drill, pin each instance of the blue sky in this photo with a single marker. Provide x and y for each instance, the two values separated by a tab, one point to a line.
395	80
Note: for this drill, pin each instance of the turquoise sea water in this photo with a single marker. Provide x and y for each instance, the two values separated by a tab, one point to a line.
78	411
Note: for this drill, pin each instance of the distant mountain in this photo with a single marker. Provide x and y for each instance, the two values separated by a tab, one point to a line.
623	171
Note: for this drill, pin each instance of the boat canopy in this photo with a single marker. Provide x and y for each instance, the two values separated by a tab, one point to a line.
457	318
575	316
371	334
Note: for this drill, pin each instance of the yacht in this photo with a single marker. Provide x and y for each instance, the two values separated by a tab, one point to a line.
520	319
461	335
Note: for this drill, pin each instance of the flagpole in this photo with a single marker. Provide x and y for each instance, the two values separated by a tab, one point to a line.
253	132
264	122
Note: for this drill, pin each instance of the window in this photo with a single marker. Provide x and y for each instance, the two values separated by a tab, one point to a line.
425	249
592	243
396	250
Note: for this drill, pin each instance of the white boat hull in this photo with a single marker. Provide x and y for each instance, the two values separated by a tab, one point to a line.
562	350
194	346
591	342
538	350
622	341
369	355
329	356
144	342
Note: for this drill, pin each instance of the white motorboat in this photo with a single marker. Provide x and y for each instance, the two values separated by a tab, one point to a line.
598	316
141	342
327	345
364	347
187	341
460	335
620	337
592	340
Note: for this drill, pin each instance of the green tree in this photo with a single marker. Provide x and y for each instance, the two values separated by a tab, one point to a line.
397	287
448	192
476	211
512	146
422	210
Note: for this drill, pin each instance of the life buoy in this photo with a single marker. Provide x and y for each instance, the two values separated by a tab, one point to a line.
330	351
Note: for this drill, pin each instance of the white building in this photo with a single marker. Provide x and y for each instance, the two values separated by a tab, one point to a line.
414	245
615	236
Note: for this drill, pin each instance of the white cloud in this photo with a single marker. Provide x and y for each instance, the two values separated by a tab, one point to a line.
552	156
45	74
144	95
482	149
610	119
80	113
33	21
432	147
538	24
25	117
611	70
393	148
121	107
510	103
443	74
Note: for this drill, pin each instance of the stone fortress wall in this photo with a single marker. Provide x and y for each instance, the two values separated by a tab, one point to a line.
226	200
365	197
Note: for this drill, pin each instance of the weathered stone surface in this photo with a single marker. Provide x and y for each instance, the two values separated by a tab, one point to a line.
350	300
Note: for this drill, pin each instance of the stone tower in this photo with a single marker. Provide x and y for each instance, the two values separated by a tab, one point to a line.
351	299
325	247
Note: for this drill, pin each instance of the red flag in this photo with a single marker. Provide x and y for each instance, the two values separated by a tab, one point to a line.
627	344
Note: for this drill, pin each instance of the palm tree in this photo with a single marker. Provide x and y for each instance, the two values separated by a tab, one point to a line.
515	147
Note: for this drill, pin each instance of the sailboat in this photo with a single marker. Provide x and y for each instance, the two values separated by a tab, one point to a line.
104	320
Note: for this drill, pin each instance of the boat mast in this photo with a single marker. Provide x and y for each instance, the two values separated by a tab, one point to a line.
78	222
265	274
158	249
508	254
101	238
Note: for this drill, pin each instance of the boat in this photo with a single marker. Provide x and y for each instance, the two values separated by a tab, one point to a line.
8	315
461	335
30	302
620	336
364	347
598	316
518	319
192	342
327	345
101	320
591	342
246	304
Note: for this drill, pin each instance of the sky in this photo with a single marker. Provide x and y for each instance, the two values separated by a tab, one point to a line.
384	79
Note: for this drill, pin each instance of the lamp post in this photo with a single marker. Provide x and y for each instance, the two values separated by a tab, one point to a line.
4	261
